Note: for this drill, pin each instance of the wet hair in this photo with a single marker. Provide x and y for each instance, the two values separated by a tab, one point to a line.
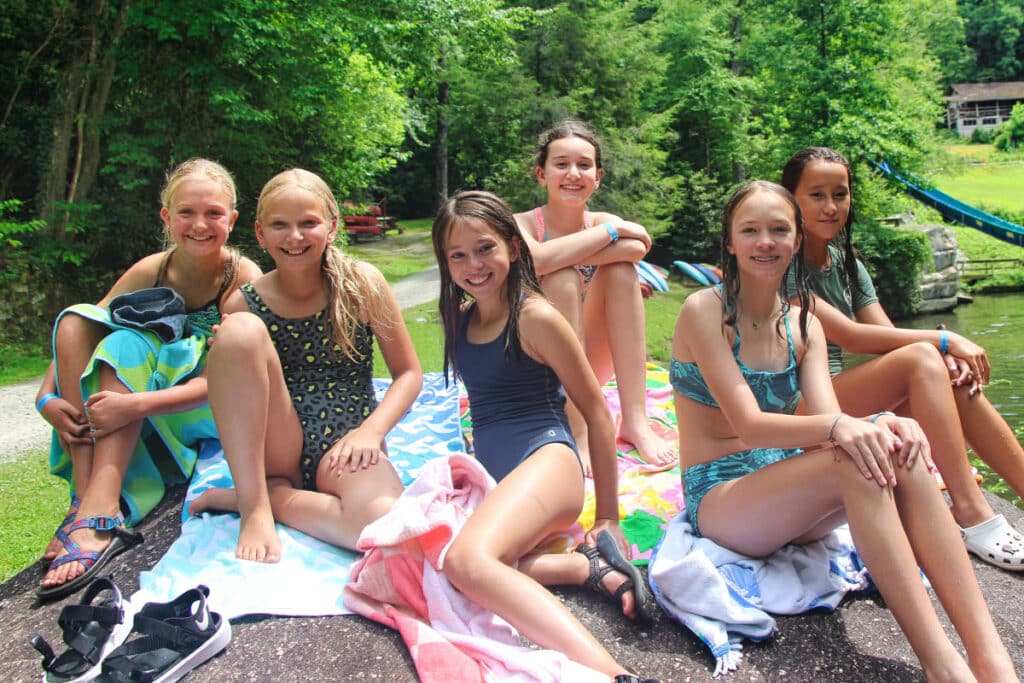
791	174
353	295
567	129
522	280
203	168
730	266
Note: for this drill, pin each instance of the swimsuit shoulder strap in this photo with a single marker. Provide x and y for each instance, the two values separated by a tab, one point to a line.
538	217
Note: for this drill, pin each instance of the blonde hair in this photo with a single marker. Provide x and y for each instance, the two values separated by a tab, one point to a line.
352	294
204	168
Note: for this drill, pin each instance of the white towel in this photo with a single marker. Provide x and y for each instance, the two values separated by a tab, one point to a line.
724	597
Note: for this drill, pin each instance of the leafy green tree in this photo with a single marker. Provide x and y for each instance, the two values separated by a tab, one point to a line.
995	32
1010	133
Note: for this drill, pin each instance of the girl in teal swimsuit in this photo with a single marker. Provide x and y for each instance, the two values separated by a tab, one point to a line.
742	357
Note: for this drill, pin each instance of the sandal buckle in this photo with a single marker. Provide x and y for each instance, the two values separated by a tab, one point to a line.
106	523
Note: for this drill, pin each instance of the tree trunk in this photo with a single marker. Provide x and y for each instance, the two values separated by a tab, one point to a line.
441	145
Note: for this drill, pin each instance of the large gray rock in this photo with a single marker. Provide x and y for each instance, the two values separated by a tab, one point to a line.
858	642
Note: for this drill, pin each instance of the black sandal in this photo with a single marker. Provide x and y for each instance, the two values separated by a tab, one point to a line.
600	567
611	554
174	638
91	631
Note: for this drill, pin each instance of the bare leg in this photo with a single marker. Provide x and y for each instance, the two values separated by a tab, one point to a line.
74	343
246	385
543	494
615	340
990	437
564	290
914	378
111	456
805	490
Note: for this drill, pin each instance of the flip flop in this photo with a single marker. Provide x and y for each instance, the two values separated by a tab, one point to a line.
997	543
91	630
611	554
120	540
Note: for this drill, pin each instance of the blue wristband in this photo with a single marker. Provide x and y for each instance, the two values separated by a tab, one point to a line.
44	399
612	232
880	414
943	342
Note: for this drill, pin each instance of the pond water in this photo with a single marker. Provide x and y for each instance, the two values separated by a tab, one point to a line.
996	322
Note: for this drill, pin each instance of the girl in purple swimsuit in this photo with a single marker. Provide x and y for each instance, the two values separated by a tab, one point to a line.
515	351
734	359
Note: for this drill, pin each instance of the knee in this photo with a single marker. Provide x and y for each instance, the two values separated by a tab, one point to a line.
925	361
462	563
851	481
619	274
72	330
238	332
562	284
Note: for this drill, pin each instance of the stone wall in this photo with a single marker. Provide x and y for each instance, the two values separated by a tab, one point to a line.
939	284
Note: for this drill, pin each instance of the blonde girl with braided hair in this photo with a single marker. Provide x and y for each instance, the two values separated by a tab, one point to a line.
291	380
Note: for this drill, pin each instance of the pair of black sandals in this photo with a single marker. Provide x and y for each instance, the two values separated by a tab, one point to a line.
171	638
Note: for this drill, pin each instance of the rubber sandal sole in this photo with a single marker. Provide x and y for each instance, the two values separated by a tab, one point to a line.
609	550
120	542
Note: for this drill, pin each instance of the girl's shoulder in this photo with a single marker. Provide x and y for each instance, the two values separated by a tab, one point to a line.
527	220
247	270
704	302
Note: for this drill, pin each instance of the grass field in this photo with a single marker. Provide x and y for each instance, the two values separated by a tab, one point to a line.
32	503
990	178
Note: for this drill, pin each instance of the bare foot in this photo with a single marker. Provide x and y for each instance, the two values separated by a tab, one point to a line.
650	448
257	538
214	500
55	545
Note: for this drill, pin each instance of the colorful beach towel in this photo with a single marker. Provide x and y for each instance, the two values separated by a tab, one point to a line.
168	446
399	583
648	499
310	578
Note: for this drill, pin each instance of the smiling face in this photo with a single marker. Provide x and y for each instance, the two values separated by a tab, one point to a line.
823	193
763	236
199	216
294	229
478	258
570	172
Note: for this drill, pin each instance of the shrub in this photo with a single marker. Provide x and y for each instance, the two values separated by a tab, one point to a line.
895	258
981	136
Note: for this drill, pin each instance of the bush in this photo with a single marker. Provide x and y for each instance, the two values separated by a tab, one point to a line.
981	136
1010	133
895	258
695	231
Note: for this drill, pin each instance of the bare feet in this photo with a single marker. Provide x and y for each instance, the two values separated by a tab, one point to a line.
257	538
214	500
651	449
55	545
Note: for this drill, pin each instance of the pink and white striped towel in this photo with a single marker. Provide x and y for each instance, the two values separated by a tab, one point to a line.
399	583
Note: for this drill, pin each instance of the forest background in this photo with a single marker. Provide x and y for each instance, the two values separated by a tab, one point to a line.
414	99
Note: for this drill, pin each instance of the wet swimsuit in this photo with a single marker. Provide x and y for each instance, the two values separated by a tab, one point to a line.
776	392
586	272
202	319
332	394
518	404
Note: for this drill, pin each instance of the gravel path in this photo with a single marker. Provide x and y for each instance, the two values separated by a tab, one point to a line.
22	430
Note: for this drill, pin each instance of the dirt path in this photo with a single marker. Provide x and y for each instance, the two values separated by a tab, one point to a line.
22	430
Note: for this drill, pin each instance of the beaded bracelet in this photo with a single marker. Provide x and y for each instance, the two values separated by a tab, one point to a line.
44	399
833	427
612	232
880	414
943	342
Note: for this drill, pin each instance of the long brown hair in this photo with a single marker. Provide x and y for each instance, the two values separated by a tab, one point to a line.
352	296
522	278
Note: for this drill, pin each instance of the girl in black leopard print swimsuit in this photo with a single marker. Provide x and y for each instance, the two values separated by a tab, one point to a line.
291	380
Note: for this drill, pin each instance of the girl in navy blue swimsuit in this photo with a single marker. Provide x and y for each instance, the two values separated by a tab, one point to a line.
742	358
515	351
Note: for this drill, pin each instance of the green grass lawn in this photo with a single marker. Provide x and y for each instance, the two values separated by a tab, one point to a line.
32	503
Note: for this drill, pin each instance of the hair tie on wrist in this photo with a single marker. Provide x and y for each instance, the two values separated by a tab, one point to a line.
880	414
832	429
44	399
612	232
943	342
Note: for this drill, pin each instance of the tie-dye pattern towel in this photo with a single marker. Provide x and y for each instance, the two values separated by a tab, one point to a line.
647	499
311	576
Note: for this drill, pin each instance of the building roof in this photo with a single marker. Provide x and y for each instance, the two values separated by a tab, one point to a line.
977	92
